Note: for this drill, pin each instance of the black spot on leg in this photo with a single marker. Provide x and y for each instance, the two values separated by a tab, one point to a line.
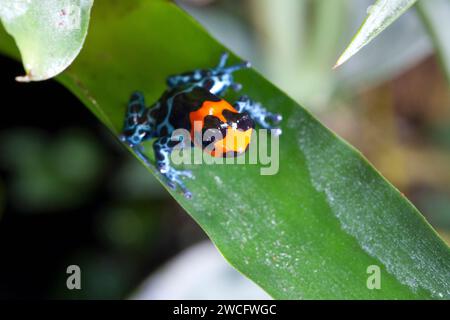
164	131
134	108
128	133
141	120
206	73
208	84
159	156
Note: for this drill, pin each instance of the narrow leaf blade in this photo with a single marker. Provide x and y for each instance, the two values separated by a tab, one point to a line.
436	17
379	17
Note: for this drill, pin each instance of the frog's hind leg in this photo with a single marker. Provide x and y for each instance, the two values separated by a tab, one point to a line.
259	114
137	126
163	148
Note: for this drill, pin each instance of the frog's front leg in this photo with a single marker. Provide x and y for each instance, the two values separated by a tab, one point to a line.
217	80
163	148
259	114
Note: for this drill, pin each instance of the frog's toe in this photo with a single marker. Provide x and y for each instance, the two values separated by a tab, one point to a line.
163	168
183	189
236	87
186	173
276	131
272	118
275	118
187	194
174	180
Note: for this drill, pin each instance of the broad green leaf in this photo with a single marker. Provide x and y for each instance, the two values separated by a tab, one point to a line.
49	33
379	17
310	231
436	16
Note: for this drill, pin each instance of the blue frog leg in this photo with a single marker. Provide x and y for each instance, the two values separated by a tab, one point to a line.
259	114
163	148
137	127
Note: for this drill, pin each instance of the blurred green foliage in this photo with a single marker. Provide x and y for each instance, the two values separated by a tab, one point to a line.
296	43
436	16
50	172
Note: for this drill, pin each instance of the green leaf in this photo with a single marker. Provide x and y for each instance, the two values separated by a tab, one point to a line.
49	33
379	17
436	16
310	231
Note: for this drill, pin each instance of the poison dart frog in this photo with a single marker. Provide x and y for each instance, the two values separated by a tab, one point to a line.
190	97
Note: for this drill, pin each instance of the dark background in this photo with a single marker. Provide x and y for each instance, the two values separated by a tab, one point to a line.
65	199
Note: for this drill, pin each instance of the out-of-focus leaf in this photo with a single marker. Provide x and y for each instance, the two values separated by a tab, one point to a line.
48	173
379	17
199	272
436	16
49	33
405	42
